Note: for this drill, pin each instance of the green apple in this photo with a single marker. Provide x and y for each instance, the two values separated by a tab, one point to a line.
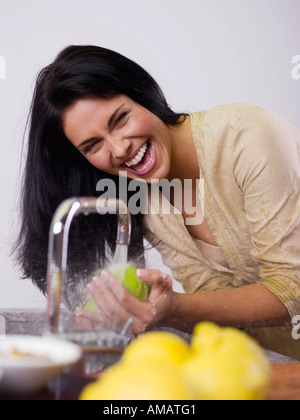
90	306
126	274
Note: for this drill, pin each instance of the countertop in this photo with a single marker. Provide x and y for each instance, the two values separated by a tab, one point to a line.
285	371
32	322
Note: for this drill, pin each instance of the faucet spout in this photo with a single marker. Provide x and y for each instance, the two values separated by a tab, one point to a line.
58	245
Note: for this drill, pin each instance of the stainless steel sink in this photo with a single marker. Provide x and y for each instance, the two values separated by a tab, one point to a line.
33	322
22	321
100	349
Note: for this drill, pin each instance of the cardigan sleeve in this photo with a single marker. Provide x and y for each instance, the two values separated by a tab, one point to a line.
266	162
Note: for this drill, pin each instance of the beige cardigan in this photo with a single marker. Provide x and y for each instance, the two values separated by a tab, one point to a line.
249	160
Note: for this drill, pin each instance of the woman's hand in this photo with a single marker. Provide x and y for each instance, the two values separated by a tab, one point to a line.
116	305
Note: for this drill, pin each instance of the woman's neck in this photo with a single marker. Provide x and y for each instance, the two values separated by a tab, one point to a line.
184	161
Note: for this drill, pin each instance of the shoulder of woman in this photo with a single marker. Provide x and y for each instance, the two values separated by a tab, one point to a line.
233	124
241	114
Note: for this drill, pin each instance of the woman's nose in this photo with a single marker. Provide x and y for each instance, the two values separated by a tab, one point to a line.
119	148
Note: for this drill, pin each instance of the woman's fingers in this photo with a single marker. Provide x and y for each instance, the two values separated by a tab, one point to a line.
161	295
116	305
83	322
155	277
161	284
104	297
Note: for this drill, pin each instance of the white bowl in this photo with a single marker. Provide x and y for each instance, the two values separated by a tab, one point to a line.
48	357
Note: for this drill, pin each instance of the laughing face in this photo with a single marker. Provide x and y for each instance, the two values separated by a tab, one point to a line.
117	135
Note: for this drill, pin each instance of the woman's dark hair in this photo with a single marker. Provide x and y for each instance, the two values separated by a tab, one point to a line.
56	170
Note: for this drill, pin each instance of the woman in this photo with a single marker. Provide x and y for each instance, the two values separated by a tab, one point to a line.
96	114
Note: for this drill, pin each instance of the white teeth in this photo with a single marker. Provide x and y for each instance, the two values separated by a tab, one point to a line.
148	163
138	157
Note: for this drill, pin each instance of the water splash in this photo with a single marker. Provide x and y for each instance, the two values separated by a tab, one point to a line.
121	255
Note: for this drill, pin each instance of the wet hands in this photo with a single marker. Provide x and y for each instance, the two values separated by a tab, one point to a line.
116	305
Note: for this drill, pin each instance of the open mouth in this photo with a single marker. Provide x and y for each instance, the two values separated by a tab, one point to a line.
144	161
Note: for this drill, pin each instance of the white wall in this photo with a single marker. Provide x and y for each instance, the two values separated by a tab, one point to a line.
202	53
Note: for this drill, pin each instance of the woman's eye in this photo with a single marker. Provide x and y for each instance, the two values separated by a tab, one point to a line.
90	148
121	117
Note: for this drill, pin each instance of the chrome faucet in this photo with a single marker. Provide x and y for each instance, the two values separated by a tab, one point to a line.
58	245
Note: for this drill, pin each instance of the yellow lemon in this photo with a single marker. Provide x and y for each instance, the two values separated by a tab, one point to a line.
206	338
142	381
209	338
221	364
226	365
225	378
158	346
